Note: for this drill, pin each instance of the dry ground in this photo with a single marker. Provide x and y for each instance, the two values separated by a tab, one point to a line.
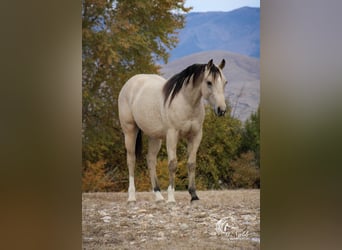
108	222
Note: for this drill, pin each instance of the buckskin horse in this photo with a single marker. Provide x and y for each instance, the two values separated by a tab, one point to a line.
169	109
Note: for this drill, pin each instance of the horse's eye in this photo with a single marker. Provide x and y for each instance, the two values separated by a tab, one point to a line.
209	83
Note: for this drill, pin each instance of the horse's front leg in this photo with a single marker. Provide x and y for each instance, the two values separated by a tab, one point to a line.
193	144
171	146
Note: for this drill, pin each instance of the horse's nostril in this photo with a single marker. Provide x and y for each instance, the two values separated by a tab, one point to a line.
220	111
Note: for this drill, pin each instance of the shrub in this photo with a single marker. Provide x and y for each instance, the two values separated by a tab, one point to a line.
251	136
94	178
245	172
220	143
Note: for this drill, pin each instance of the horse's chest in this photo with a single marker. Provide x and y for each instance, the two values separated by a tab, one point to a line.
187	121
189	128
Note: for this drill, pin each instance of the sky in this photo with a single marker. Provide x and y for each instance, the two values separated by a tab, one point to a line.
220	5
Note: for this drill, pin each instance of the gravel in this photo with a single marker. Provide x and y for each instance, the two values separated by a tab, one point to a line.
227	219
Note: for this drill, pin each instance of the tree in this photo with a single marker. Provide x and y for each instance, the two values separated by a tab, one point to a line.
229	152
245	173
119	39
251	136
220	143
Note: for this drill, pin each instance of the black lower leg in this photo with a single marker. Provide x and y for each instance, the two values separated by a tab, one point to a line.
192	188
156	187
193	194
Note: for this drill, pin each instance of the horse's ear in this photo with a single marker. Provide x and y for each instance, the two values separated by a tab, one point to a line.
223	62
210	63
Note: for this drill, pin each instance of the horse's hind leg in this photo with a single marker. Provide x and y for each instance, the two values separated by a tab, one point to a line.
153	149
130	140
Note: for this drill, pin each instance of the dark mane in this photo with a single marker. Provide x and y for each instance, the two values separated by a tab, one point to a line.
176	82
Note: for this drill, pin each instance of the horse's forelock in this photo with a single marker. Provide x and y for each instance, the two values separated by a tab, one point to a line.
215	71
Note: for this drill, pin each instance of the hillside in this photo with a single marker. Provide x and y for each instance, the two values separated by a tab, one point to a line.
242	73
237	31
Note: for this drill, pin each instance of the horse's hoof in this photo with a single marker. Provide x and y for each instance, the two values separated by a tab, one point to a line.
195	202
131	203
161	201
171	203
195	198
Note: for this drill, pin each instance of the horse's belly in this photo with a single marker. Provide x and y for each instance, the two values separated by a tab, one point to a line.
149	120
151	129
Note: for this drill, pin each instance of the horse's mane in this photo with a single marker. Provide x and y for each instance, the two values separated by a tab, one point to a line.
175	83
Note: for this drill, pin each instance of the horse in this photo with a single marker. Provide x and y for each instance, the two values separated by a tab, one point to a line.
169	109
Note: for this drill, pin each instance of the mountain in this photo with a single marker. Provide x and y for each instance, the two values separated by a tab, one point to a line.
237	31
242	73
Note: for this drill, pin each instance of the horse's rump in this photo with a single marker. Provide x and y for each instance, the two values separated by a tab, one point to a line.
142	96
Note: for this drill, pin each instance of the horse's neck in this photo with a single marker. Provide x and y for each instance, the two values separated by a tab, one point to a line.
192	95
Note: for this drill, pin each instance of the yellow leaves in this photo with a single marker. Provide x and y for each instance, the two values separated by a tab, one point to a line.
94	177
97	3
112	57
123	43
118	43
245	173
109	60
86	33
143	181
99	47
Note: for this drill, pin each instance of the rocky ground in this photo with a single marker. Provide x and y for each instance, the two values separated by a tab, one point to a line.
228	219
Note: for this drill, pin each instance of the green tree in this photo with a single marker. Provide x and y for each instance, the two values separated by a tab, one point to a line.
119	39
220	143
251	136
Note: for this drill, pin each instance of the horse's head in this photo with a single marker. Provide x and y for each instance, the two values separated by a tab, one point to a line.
213	87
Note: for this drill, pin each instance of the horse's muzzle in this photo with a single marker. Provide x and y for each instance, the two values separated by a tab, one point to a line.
220	112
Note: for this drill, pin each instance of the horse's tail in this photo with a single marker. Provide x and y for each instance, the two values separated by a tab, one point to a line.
138	145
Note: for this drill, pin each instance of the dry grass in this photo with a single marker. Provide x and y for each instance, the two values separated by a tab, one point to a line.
110	223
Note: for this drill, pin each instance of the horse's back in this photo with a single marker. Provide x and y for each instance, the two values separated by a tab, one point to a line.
145	79
141	82
140	102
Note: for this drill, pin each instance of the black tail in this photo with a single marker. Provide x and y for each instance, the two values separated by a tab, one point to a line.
138	145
